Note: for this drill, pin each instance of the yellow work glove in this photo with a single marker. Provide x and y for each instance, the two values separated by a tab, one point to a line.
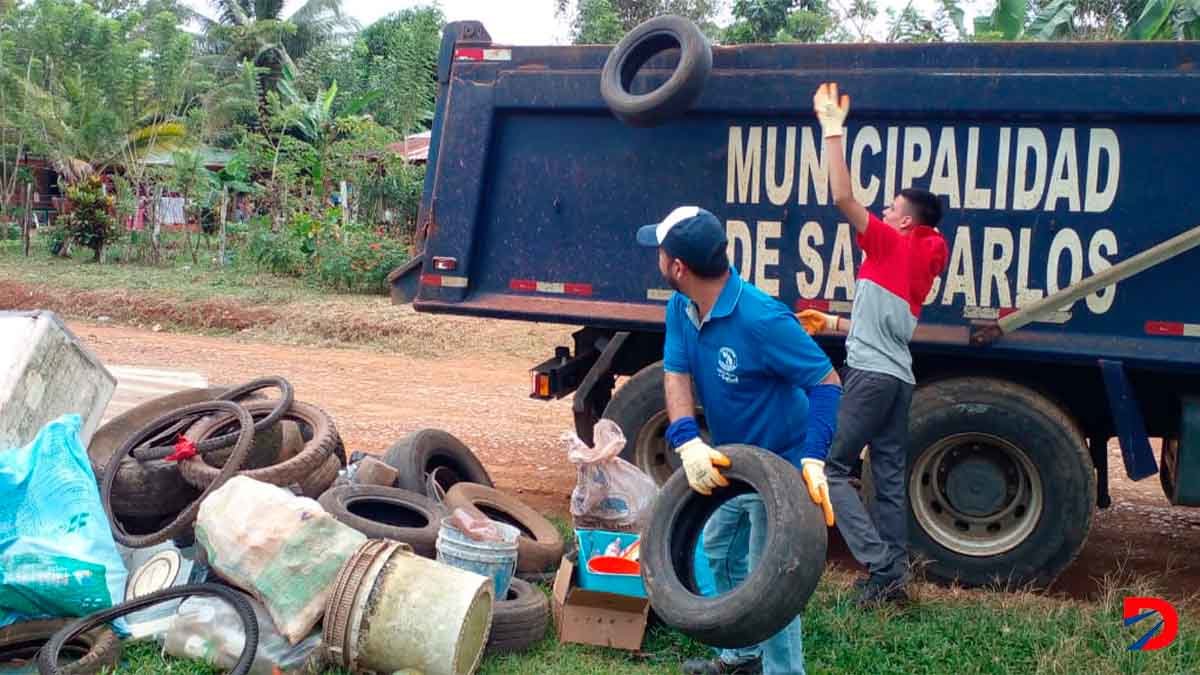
813	471
699	463
816	322
831	112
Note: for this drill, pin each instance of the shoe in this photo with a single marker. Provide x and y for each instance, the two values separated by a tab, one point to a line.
877	592
719	667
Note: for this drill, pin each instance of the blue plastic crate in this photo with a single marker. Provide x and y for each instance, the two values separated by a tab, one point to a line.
593	542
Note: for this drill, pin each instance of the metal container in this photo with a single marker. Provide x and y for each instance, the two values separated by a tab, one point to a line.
391	610
47	372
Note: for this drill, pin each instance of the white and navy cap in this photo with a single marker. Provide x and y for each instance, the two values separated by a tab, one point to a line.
693	235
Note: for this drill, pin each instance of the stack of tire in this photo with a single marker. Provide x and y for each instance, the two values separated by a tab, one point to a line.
151	492
437	474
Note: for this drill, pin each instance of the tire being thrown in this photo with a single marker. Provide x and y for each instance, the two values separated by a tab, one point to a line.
187	517
90	651
640	45
520	620
325	439
433	451
47	659
774	592
540	546
387	513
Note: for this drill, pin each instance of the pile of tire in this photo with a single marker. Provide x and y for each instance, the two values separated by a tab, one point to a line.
157	462
437	474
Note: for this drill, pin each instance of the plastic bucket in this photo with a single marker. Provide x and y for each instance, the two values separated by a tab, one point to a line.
494	559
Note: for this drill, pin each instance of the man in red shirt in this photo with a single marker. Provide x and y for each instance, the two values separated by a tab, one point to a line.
904	254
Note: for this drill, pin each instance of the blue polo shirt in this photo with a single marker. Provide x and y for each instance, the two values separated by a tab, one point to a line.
751	362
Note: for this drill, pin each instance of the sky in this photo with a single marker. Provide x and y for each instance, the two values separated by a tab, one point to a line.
533	22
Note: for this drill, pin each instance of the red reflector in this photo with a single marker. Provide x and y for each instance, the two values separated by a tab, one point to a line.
524	285
577	289
541	385
1164	328
431	280
819	305
468	54
1005	311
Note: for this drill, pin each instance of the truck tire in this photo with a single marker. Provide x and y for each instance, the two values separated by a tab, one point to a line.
540	546
387	513
641	44
775	591
90	652
639	407
433	451
519	621
1001	487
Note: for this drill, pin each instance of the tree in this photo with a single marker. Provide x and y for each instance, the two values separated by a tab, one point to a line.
759	20
257	31
89	220
596	22
1091	20
629	13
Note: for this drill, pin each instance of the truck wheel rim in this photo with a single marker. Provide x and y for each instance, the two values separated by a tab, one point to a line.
976	494
651	453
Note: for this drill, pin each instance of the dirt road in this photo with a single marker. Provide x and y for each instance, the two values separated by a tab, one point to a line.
481	397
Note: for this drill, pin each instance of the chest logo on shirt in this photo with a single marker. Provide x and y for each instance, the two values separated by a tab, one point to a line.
727	365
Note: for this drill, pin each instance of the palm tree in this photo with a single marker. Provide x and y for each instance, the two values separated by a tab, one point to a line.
256	31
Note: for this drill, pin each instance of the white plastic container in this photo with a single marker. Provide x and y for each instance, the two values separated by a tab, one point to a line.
47	372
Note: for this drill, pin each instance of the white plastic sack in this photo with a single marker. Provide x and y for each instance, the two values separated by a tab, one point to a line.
609	492
57	554
284	550
207	629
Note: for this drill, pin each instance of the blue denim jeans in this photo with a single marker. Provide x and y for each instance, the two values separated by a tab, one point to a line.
733	541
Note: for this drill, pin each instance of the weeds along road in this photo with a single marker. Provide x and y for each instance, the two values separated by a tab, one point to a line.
481	395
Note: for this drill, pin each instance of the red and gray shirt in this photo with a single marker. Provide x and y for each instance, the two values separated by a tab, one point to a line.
892	285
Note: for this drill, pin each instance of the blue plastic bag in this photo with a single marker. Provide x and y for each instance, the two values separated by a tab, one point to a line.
57	554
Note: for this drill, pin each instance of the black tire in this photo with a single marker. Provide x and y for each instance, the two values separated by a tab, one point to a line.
324	443
215	444
184	520
152	489
775	592
540	546
47	660
967	435
520	620
432	450
90	652
388	513
639	407
675	95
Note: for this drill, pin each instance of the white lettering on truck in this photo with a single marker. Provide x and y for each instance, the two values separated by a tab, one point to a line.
1071	170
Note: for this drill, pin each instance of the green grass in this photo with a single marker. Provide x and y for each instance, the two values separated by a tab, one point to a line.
183	279
944	631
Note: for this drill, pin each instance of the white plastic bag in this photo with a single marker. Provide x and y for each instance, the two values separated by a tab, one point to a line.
57	554
284	550
609	492
208	629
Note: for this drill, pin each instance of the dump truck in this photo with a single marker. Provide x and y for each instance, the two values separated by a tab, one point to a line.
1062	320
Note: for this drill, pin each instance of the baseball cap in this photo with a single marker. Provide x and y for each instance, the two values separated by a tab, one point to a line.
691	234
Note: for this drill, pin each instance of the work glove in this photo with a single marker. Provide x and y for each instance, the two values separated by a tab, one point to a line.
816	322
813	471
699	463
831	112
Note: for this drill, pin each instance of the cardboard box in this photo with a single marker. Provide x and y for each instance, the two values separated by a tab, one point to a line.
596	618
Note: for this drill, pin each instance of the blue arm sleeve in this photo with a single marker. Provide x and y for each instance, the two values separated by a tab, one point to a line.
823	401
675	358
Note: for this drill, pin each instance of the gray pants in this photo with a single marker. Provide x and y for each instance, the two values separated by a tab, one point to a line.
874	411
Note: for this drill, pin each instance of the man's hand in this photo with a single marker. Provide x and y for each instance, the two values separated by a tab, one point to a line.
817	322
831	112
699	463
813	471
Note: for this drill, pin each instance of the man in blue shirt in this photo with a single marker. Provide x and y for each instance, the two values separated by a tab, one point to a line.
762	381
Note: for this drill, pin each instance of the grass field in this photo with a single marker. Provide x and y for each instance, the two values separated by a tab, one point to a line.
944	631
